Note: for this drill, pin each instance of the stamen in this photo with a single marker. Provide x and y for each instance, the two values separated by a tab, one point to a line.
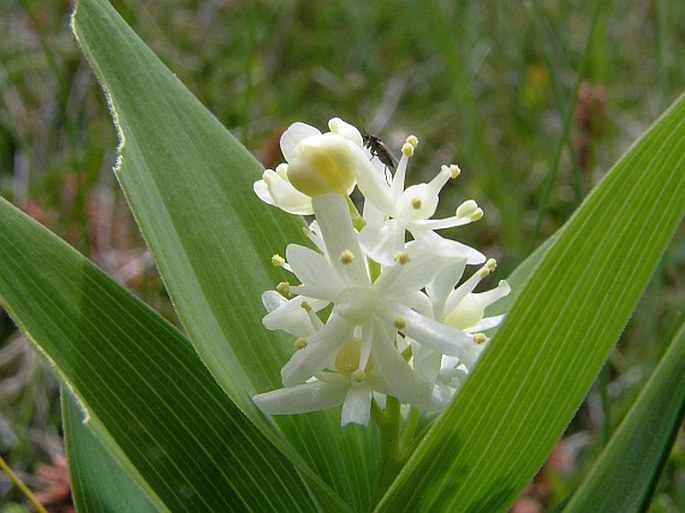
455	170
283	288
401	258
480	338
489	267
277	260
400	322
306	307
413	140
408	149
416	203
346	257
300	343
469	209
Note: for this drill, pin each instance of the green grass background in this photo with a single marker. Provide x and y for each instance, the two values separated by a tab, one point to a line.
535	101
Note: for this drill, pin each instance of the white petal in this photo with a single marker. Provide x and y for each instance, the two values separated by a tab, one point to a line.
357	406
314	396
487	323
333	216
434	243
321	348
372	184
421	269
371	214
382	241
348	131
291	317
438	336
272	300
402	382
283	194
294	135
262	191
426	362
313	270
440	289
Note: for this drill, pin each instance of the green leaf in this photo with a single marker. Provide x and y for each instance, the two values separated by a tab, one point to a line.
189	185
98	483
145	393
515	406
625	474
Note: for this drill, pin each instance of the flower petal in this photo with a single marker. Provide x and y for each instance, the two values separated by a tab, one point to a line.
357	406
382	241
401	381
290	316
333	216
294	135
312	396
320	349
434	243
275	190
437	336
318	278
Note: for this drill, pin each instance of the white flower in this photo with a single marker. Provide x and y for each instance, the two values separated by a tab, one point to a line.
349	384
373	312
275	189
391	210
317	164
460	308
372	315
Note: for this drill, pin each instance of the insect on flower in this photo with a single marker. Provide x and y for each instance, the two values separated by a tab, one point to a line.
379	150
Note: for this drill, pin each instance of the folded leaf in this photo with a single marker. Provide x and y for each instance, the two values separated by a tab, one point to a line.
515	406
189	184
140	385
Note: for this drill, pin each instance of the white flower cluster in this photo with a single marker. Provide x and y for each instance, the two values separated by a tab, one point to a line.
397	325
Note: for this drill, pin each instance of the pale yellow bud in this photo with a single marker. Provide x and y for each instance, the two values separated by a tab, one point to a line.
321	165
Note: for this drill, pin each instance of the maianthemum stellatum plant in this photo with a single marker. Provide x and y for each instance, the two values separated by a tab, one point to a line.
358	372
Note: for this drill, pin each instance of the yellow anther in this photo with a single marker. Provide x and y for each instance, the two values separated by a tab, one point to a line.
346	257
306	307
400	322
413	140
455	170
401	258
277	260
416	203
489	267
306	231
408	150
480	338
283	288
300	343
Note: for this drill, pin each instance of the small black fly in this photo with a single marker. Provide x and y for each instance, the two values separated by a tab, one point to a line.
378	149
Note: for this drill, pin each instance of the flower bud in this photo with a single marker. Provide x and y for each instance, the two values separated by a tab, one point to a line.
322	164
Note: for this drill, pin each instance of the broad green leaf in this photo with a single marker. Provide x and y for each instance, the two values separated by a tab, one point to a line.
625	474
145	393
497	432
189	185
98	483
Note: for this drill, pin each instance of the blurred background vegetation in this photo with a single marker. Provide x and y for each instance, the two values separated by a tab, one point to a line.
535	102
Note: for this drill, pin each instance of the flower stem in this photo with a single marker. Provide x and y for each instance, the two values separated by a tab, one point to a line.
391	457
